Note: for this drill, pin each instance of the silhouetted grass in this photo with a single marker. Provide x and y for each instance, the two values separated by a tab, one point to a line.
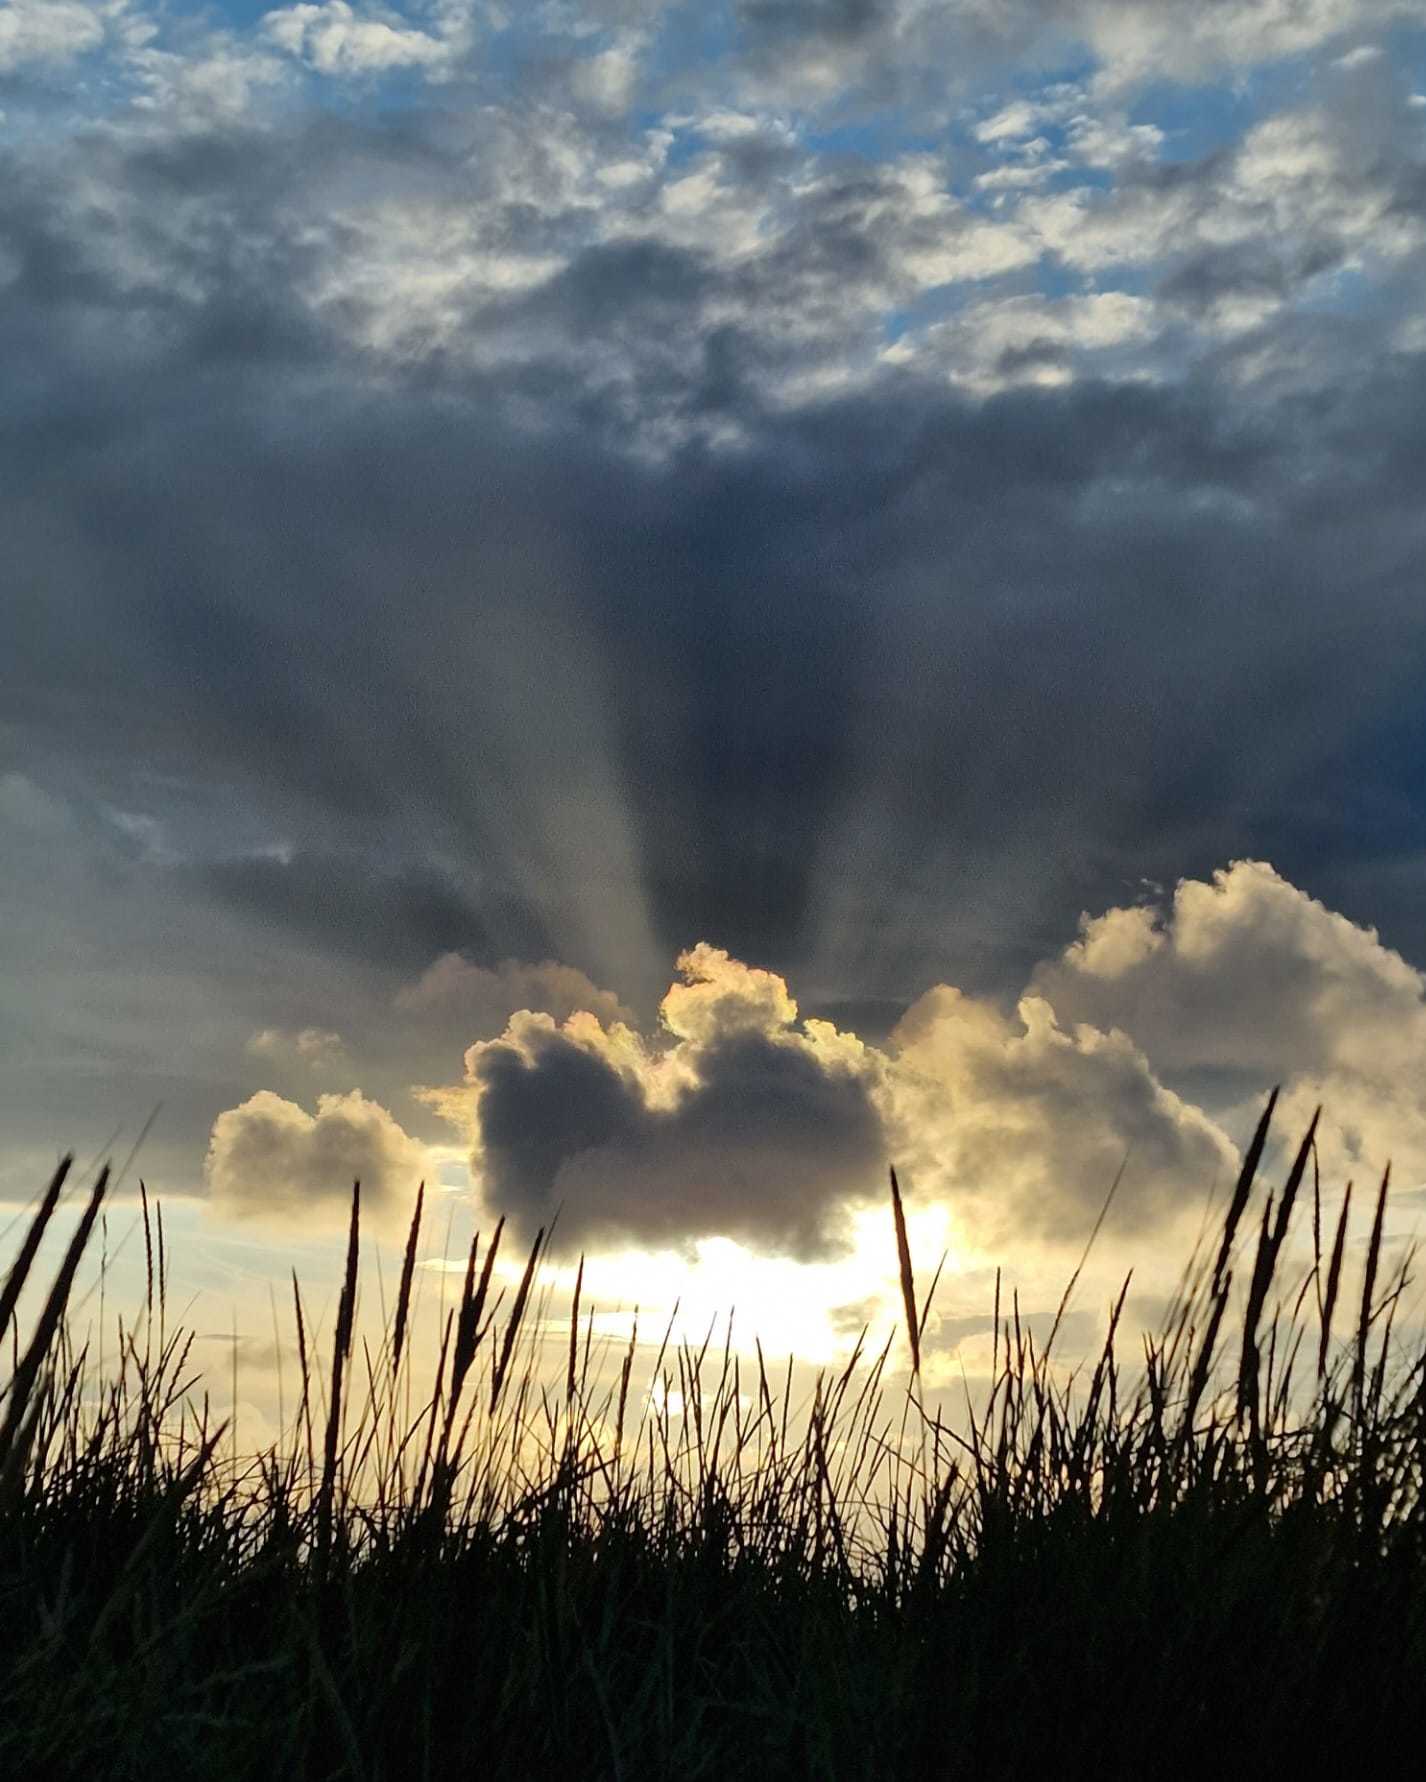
1214	1558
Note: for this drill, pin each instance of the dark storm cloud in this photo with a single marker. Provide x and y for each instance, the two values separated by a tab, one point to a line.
399	918
830	690
765	1147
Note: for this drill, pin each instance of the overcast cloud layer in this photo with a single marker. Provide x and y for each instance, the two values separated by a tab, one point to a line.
493	498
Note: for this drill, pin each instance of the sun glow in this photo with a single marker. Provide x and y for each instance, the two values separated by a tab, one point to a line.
812	1310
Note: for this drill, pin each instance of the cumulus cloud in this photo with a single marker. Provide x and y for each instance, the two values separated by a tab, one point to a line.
738	1120
1246	979
721	996
741	1123
1023	1125
270	1159
1020	1122
335	39
735	1120
737	1117
50	31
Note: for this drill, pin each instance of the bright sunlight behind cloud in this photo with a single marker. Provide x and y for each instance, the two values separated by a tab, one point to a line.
739	1144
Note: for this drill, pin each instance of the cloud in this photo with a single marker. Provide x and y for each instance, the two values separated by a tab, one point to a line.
335	39
607	80
738	1120
1236	235
31	813
316	1047
1019	1122
397	915
49	31
1012	122
1246	979
1022	1125
1195	40
270	1159
912	52
225	77
740	1124
1006	340
454	986
1112	141
720	997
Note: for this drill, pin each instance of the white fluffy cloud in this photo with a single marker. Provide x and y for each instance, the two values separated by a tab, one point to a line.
335	39
720	996
270	1158
1022	1124
1249	976
53	31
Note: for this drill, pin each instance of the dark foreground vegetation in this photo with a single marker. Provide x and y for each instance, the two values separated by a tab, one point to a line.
1211	1559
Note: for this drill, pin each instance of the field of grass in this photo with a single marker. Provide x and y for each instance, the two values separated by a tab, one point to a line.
1215	1557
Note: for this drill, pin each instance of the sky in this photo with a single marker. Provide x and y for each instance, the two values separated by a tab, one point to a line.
642	609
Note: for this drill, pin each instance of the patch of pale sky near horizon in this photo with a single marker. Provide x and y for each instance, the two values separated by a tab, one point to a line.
222	1288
